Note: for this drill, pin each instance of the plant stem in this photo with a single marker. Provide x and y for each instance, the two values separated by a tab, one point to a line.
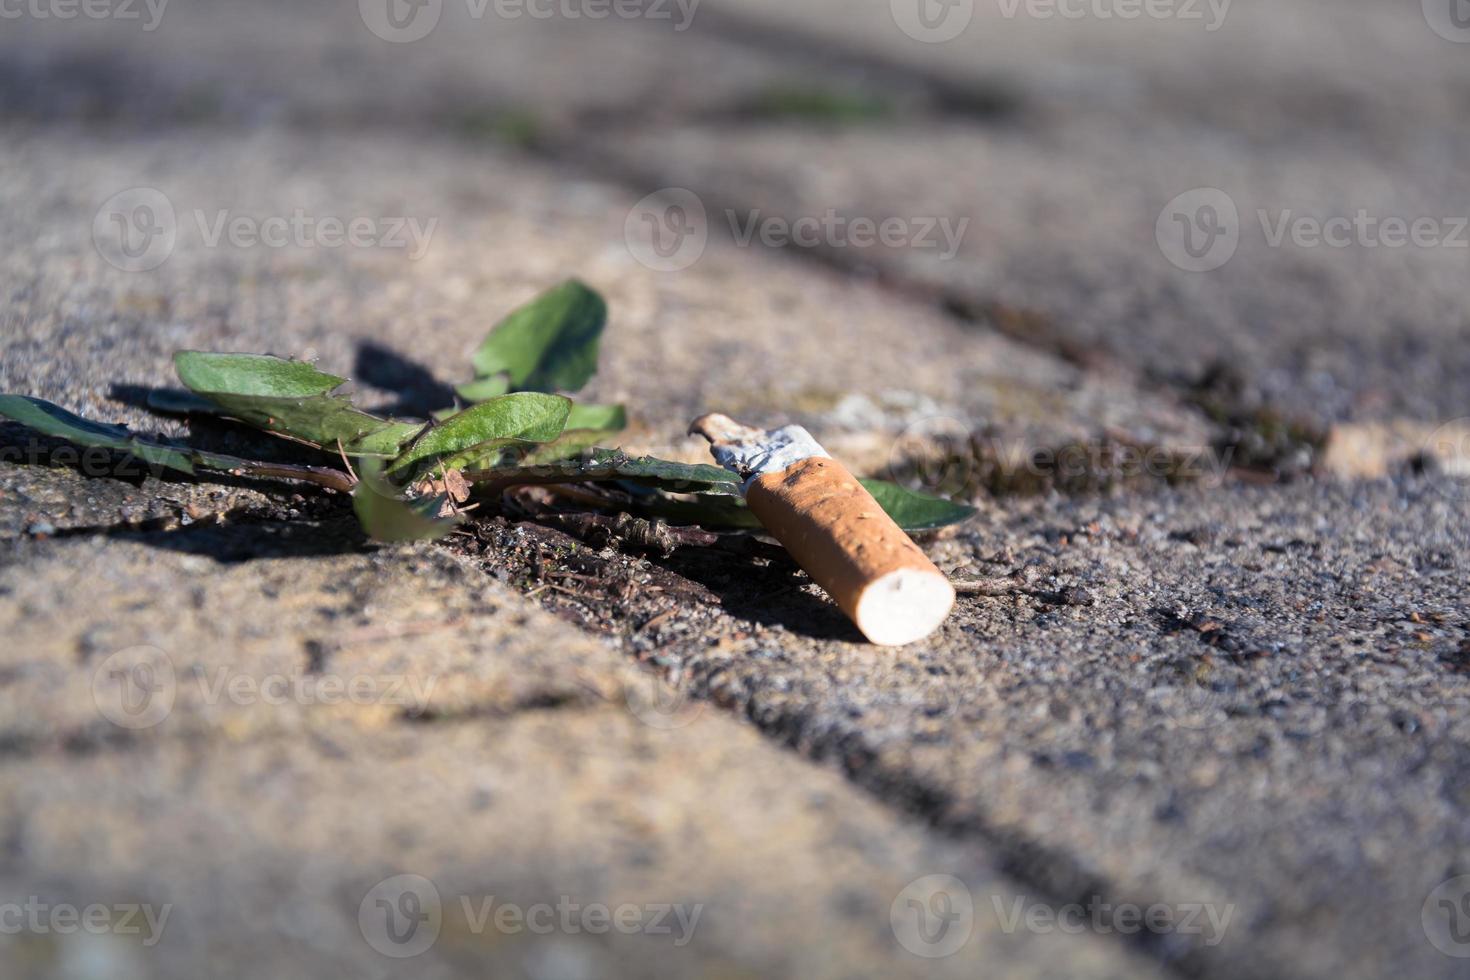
492	482
322	476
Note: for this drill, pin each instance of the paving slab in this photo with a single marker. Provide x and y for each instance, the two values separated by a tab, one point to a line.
1244	706
256	747
1134	144
1070	192
1252	701
492	70
1299	64
742	330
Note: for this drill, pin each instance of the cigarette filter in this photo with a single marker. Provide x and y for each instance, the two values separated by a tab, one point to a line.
834	529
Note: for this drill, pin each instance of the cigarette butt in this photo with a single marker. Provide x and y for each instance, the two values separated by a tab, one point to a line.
834	529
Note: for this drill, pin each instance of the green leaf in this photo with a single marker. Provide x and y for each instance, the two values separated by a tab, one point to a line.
525	416
519	454
483	389
53	420
606	418
550	344
387	517
291	398
701	478
711	513
569	445
254	375
587	425
915	511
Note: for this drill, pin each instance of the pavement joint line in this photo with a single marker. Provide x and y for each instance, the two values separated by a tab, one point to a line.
584	155
1057	876
989	99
